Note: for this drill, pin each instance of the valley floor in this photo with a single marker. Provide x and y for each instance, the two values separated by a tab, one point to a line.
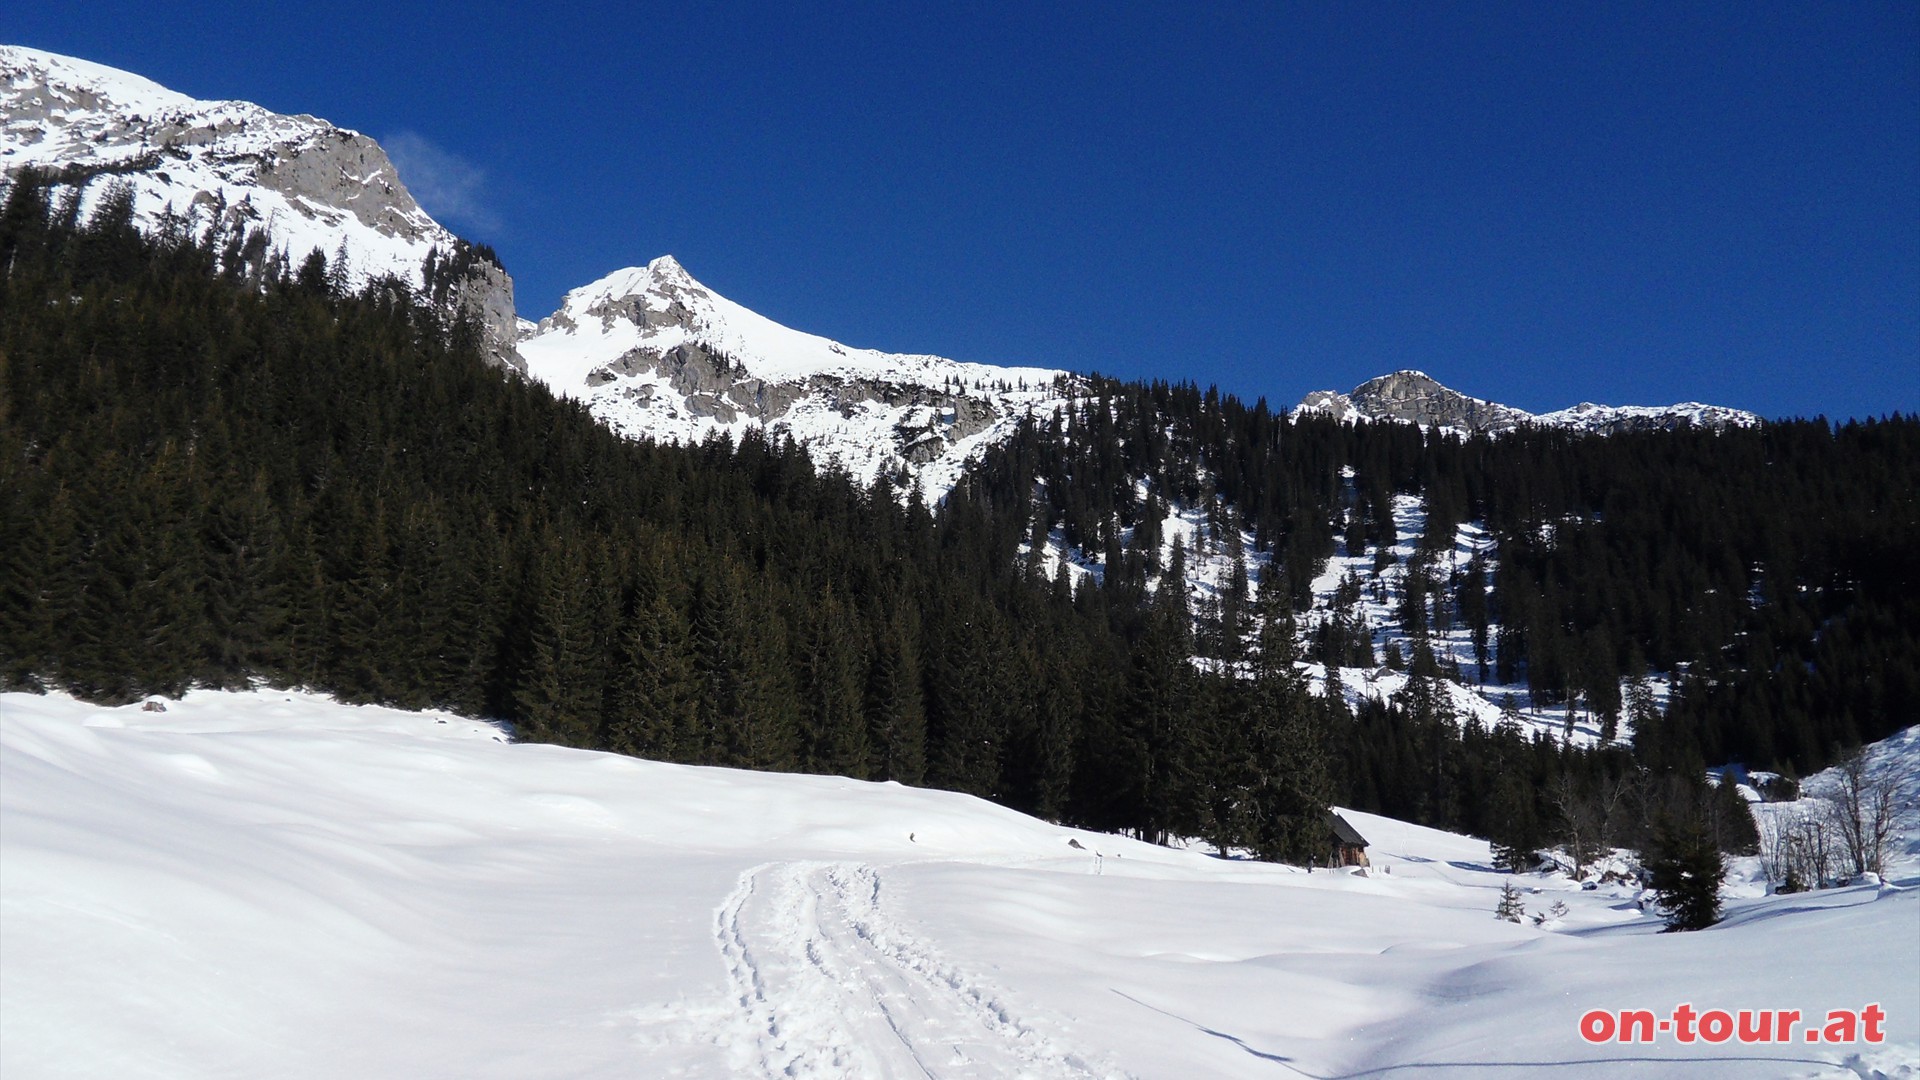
272	884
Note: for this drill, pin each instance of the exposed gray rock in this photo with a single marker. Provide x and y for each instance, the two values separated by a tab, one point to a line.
1412	397
636	310
559	320
335	171
710	385
223	161
922	449
487	295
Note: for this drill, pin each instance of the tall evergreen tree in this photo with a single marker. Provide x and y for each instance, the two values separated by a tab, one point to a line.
896	707
653	707
832	690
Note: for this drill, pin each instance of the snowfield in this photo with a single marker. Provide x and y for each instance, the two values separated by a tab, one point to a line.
273	884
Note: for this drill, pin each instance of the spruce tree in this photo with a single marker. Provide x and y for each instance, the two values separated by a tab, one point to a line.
831	688
1685	871
765	732
1510	907
653	693
896	706
559	697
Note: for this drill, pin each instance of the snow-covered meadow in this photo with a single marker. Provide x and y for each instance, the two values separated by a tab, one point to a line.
272	884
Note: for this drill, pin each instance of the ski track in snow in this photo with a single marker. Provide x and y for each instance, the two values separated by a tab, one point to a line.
822	981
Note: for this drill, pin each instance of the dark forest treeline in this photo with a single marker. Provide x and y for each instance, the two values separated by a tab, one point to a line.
1778	567
216	469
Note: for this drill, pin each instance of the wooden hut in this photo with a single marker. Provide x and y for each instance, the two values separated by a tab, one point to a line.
1349	847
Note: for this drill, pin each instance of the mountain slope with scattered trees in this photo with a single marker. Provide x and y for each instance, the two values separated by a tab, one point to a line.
216	470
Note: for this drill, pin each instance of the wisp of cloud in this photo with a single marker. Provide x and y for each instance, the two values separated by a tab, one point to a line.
448	186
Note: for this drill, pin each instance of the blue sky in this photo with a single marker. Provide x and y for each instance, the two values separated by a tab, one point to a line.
1537	203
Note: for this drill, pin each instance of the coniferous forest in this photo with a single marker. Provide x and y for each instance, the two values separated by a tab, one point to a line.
217	469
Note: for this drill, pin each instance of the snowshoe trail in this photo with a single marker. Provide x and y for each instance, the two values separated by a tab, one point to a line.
822	981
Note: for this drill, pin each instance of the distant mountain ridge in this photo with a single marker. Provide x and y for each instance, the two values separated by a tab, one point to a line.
651	351
1414	397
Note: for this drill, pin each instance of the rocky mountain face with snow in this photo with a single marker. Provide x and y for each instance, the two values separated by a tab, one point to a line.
1413	397
654	353
235	167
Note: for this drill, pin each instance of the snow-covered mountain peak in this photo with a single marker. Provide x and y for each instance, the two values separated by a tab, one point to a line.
62	113
657	354
659	282
667	272
237	167
1414	397
662	305
1607	419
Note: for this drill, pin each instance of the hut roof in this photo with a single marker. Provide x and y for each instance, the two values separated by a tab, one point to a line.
1344	832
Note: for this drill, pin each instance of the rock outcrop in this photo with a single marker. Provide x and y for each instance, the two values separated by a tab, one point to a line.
231	164
1413	397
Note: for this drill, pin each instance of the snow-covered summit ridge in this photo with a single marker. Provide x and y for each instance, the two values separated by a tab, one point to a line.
663	302
656	354
1609	418
233	164
122	87
1414	397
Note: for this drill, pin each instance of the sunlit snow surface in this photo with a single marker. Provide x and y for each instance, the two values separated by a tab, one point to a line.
271	884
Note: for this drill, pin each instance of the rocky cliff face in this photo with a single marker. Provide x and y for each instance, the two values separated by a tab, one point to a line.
232	164
1412	397
656	354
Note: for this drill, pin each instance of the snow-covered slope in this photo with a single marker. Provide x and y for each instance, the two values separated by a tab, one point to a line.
270	884
306	183
1894	761
1416	398
656	354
